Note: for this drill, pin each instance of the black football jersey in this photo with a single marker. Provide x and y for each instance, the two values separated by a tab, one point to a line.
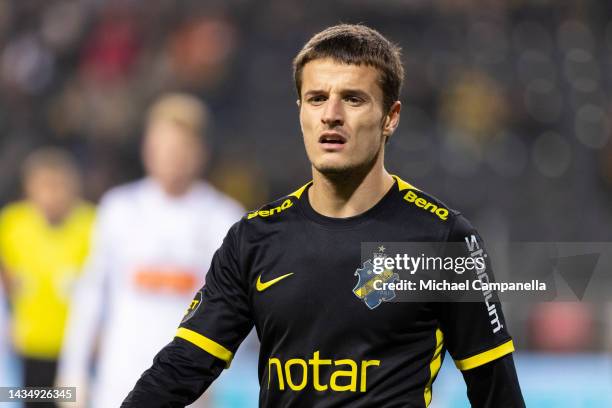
328	337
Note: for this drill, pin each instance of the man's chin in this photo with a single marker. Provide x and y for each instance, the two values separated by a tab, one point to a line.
334	169
343	169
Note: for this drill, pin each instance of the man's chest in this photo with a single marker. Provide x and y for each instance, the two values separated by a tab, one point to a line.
161	250
327	285
325	327
175	235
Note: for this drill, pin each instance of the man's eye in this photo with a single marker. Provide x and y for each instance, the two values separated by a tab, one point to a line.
353	100
316	99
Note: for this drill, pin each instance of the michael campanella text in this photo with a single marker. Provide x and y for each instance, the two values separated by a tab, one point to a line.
444	285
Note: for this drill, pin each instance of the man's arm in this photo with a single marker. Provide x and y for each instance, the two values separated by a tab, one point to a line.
5	279
475	330
87	307
6	283
216	322
494	384
181	372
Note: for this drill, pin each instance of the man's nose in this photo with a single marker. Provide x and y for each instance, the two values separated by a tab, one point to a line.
333	114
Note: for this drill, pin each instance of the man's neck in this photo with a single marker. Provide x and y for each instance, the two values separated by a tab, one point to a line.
341	196
175	190
57	217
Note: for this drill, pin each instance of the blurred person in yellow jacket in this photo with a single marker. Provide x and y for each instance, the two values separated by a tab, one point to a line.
44	240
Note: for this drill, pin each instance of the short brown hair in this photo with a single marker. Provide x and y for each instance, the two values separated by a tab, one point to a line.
355	44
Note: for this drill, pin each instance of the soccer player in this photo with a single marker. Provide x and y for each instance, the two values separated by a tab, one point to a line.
44	241
153	241
289	268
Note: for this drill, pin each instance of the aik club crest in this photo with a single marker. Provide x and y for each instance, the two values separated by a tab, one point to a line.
364	289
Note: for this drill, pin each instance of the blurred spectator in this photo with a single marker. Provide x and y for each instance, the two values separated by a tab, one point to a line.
153	243
199	51
43	244
112	49
474	106
562	327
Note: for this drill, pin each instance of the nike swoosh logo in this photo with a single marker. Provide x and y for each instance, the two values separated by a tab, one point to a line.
261	286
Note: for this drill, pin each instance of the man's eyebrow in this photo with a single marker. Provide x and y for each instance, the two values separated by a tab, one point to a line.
343	92
314	92
357	92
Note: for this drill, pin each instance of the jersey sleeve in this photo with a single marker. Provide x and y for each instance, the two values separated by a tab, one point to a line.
494	384
215	323
474	329
219	317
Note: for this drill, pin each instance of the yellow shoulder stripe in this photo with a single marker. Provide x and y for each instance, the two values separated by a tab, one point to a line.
206	344
298	193
402	185
434	365
486	356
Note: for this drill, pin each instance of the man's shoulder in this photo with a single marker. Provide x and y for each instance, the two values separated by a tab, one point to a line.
208	195
17	209
276	210
16	216
271	217
123	192
451	222
118	203
424	204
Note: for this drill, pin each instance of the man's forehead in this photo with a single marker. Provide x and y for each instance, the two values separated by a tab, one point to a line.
325	73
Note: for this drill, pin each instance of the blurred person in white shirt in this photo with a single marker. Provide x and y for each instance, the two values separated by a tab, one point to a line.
152	245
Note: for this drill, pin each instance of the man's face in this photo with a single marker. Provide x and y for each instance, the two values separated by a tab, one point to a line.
341	115
172	156
53	191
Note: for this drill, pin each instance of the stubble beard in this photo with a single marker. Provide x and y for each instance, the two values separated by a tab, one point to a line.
344	171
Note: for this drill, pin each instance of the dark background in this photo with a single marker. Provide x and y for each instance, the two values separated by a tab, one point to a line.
506	109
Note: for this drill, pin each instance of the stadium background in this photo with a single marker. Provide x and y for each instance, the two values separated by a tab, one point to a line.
506	115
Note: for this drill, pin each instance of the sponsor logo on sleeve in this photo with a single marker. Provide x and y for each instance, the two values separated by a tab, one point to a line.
193	307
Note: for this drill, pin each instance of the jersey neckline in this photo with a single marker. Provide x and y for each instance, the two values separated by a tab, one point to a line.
345	222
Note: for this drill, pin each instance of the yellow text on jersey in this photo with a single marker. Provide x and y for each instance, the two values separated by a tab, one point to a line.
420	202
352	375
266	213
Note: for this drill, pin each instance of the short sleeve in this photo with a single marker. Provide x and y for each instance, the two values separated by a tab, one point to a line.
219	317
474	330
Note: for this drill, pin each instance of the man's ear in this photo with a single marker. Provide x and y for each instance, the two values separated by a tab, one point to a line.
391	119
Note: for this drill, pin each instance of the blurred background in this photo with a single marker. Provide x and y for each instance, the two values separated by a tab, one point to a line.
506	116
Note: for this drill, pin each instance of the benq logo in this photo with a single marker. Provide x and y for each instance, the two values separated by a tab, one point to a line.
420	202
266	213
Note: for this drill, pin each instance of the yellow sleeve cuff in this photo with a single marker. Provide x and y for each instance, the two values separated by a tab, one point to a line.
206	344
485	357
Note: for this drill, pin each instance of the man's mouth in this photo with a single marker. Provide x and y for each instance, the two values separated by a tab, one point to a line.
332	138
